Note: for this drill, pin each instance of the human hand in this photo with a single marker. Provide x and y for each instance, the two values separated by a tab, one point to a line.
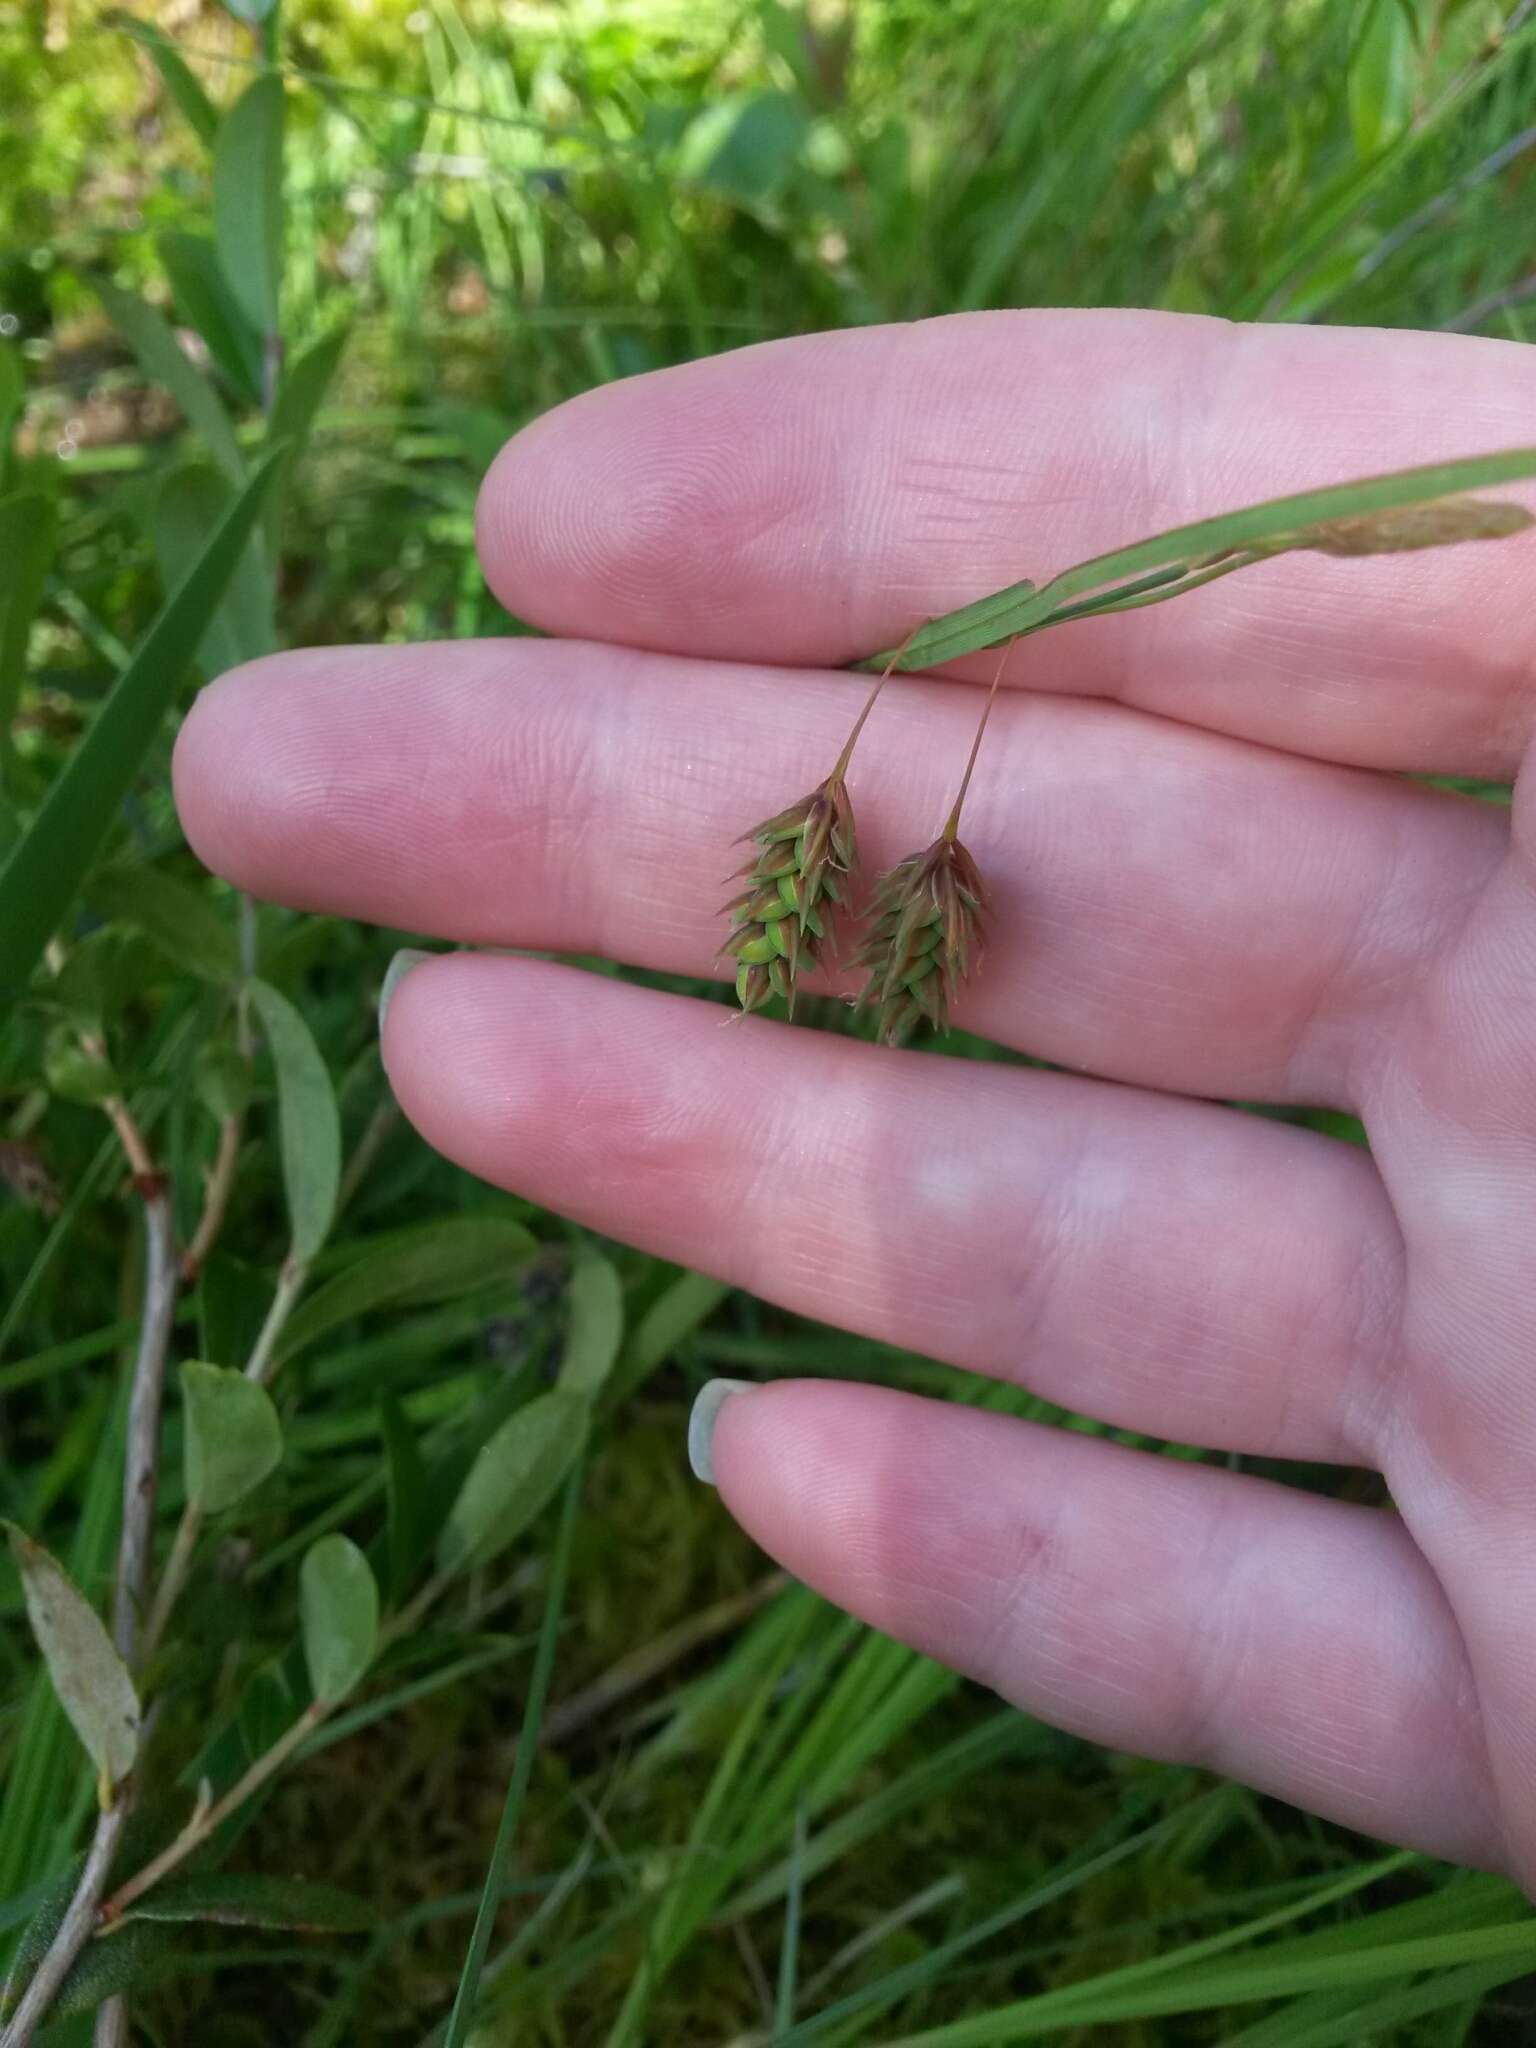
1203	885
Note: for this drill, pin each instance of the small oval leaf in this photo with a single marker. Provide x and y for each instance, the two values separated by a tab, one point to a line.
248	199
234	1438
594	1326
513	1477
309	1125
88	1675
238	1899
339	1608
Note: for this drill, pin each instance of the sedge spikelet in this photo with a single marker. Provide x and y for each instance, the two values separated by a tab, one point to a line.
927	931
925	939
795	883
797	880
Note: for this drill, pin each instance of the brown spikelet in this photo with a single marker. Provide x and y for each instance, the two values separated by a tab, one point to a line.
926	938
1409	527
795	884
927	934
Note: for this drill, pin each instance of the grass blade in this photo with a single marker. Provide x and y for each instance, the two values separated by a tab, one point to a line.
1026	608
527	1748
46	868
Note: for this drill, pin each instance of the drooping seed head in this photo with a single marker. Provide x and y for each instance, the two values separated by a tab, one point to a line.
795	883
1409	527
926	938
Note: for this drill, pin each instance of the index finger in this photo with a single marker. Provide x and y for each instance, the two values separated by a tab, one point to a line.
809	501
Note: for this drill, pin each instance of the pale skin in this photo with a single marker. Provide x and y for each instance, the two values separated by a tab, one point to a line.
1210	883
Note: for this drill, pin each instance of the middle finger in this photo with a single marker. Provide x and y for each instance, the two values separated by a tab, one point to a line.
1170	907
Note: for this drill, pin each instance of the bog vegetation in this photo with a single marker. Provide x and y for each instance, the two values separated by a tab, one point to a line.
422	1697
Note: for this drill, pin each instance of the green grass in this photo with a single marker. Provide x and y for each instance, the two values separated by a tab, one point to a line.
778	1825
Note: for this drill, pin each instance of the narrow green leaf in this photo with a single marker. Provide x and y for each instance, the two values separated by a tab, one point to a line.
164	361
189	503
180	82
339	1611
459	2020
238	1899
309	1125
408	1496
675	1314
513	1479
594	1329
181	920
88	1675
28	529
205	301
248	200
427	1263
1027	608
300	396
45	870
234	1438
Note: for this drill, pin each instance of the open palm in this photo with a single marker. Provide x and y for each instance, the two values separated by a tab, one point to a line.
1207	882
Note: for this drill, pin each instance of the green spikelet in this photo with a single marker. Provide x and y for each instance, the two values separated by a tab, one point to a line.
796	882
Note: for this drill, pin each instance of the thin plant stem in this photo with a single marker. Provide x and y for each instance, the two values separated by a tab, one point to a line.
262	1363
375	1135
208	1818
221	1184
111	2029
173	1578
522	1767
75	1929
141	1469
952	827
869	704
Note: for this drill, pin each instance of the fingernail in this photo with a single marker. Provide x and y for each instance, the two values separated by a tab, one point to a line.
712	1397
407	958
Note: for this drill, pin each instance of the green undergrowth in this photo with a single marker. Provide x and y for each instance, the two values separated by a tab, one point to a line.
747	1819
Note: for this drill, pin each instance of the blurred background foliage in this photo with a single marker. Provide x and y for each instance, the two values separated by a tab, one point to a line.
750	1820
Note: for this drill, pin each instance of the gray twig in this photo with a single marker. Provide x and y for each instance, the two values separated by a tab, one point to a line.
141	1473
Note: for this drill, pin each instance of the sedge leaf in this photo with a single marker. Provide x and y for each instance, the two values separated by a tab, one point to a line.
248	200
234	1438
309	1125
426	1263
89	1677
164	361
339	1611
513	1478
45	869
1024	608
180	919
594	1303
